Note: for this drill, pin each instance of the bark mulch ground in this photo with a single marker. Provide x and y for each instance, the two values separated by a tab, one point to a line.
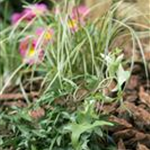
132	118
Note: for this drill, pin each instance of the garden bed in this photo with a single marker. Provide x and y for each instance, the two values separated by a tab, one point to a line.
70	80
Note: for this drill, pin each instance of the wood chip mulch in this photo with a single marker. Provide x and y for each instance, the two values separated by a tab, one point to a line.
132	118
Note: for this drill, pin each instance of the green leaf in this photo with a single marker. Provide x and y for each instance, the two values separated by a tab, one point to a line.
122	75
78	129
33	147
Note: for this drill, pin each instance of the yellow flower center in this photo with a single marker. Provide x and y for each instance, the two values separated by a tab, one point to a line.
31	52
47	36
72	24
37	11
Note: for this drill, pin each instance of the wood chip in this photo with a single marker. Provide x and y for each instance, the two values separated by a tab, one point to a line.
18	103
107	108
132	136
133	82
121	145
131	97
140	115
120	123
144	97
18	96
124	134
141	138
141	147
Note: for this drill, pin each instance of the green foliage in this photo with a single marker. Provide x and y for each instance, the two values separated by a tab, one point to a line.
85	121
53	130
76	69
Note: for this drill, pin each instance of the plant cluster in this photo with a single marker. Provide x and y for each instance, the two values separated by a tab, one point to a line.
68	60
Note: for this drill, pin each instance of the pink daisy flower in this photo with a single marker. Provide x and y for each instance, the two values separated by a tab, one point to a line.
47	34
30	52
16	17
29	13
77	18
80	12
34	10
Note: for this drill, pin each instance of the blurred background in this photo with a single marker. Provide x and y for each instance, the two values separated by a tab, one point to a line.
128	7
7	7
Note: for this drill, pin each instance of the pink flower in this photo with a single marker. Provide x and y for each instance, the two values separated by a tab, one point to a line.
31	48
16	17
77	18
34	10
29	13
47	34
30	51
80	12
